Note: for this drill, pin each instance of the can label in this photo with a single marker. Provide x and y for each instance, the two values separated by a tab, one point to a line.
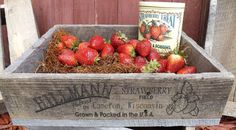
162	26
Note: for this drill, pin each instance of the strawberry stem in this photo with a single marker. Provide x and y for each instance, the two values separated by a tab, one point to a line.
151	67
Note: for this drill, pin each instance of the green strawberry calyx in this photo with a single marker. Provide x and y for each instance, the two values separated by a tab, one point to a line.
133	53
122	36
151	66
75	45
96	60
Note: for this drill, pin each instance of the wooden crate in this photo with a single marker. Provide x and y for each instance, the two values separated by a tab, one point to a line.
114	100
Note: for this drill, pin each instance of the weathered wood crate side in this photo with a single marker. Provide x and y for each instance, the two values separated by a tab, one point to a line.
93	100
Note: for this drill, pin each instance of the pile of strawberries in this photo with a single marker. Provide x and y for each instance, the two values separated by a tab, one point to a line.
130	53
153	30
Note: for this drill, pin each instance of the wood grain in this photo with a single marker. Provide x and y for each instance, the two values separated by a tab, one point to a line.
128	12
84	11
22	30
106	11
64	11
50	12
50	96
221	36
2	64
44	11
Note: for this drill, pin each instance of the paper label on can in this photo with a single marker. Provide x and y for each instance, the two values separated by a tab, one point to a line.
162	26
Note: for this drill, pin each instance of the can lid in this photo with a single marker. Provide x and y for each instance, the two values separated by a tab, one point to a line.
162	4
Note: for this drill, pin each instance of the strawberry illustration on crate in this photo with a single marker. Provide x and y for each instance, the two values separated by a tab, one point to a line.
184	101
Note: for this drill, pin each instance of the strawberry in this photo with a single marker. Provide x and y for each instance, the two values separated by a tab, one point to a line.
87	56
175	63
163	65
143	48
83	45
148	36
97	43
161	38
67	57
133	42
118	39
125	59
163	29
187	70
155	32
60	46
127	49
69	41
140	61
150	67
107	50
67	52
154	55
142	28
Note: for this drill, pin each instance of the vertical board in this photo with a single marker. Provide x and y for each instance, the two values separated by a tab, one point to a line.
22	30
222	41
2	64
64	12
44	13
106	11
128	12
84	11
50	12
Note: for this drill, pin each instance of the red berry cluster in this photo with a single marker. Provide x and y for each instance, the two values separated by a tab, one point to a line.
130	52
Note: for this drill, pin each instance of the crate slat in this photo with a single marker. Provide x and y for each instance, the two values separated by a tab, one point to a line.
114	100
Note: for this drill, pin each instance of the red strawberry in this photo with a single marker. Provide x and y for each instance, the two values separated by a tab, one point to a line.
107	50
175	63
133	42
187	70
163	65
68	58
87	56
161	38
155	32
69	41
143	48
163	29
154	55
97	43
148	36
60	46
83	45
142	28
127	49
125	59
140	61
67	52
118	39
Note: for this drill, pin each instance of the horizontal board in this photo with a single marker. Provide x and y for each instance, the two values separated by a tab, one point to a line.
112	100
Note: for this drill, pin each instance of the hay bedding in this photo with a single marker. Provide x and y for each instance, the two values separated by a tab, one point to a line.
50	63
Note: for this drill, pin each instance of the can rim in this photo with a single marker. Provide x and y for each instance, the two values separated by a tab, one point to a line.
162	4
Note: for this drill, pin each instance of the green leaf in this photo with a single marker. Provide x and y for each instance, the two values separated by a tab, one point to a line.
151	67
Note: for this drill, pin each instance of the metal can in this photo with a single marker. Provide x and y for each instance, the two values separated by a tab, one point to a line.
161	23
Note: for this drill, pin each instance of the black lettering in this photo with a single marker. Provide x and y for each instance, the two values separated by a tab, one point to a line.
74	93
40	102
95	89
84	90
49	99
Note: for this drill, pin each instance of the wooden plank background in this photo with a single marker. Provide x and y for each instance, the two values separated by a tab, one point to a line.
50	12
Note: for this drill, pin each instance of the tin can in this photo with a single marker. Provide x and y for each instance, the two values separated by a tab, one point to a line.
161	23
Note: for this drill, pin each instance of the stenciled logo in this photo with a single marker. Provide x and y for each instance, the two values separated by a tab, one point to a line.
184	101
73	93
